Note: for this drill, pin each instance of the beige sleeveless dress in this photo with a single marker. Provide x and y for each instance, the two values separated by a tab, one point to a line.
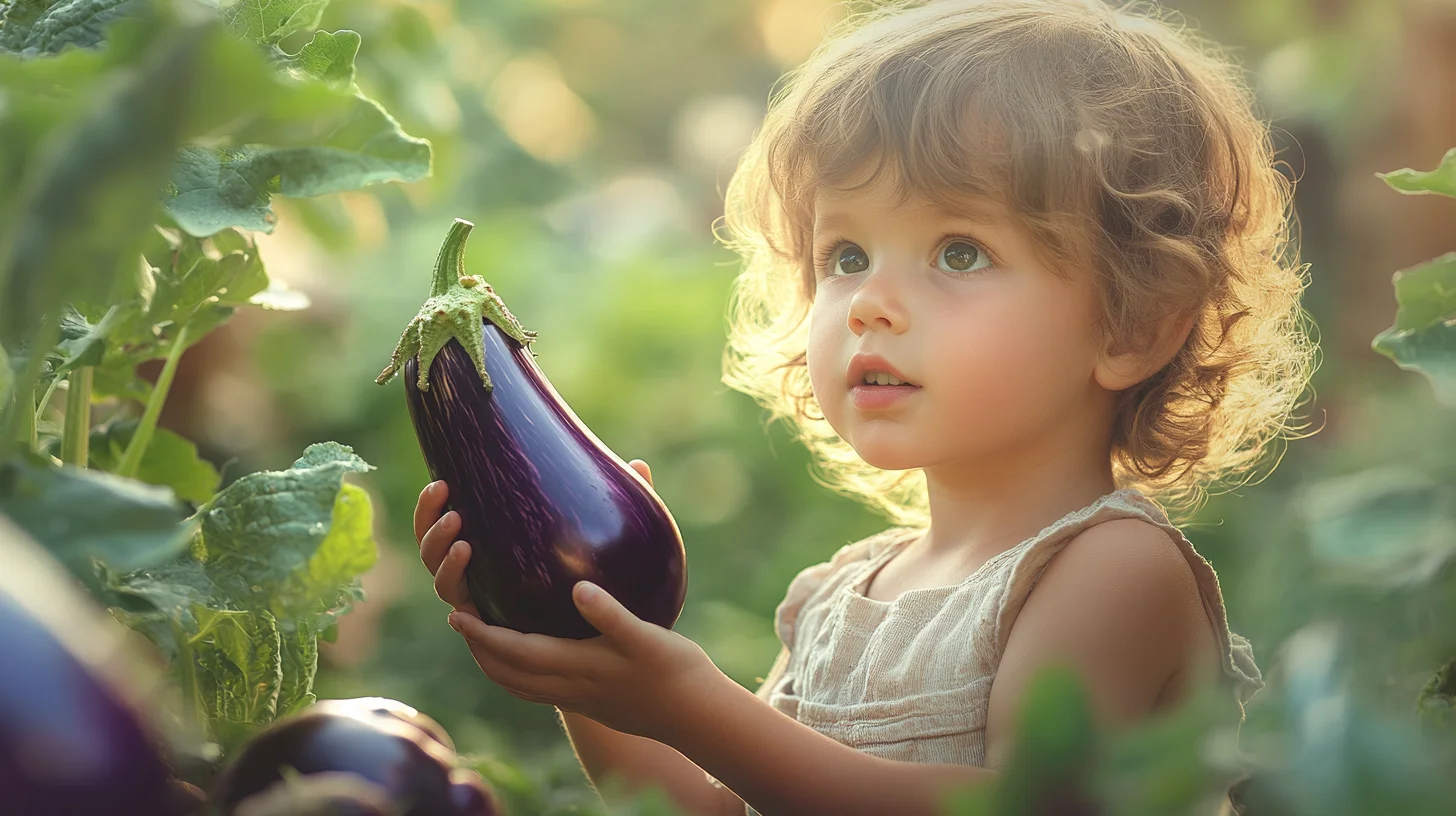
881	676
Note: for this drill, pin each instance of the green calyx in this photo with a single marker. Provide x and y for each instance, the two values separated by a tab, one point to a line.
458	303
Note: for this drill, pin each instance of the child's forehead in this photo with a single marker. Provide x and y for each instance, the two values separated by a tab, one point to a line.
835	208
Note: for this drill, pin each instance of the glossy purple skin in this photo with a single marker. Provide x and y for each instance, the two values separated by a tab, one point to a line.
542	502
410	764
68	743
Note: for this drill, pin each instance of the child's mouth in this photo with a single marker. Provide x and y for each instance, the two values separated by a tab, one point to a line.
879	397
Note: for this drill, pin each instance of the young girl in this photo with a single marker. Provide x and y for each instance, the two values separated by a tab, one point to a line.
1019	273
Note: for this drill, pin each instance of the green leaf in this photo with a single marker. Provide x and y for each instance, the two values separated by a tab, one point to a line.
1437	700
1441	181
218	187
300	667
1430	351
170	460
34	27
1423	338
328	58
277	559
269	21
82	514
88	197
1054	749
265	528
331	581
239	664
1387	526
7	380
1426	294
198	284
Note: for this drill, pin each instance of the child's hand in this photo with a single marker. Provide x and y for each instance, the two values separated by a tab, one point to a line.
635	677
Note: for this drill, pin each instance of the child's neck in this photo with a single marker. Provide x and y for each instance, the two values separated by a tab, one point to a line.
984	509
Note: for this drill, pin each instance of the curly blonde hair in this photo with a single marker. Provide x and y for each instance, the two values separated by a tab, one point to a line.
1125	144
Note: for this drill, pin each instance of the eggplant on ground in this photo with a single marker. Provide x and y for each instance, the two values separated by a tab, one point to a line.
411	766
542	501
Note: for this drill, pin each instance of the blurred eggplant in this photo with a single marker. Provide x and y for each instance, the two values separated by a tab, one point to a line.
73	740
413	767
542	501
385	707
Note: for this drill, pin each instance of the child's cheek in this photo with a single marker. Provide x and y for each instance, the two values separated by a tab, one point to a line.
1004	377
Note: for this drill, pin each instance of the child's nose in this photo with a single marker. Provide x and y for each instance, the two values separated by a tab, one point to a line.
878	303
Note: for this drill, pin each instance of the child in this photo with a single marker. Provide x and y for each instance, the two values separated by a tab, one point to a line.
1018	272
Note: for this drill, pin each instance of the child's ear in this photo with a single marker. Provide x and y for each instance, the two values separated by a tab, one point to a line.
1116	372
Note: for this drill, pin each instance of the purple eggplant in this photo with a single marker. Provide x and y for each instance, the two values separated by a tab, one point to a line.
412	766
71	742
542	502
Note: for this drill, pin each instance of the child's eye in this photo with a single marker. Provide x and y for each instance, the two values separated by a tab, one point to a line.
844	257
964	256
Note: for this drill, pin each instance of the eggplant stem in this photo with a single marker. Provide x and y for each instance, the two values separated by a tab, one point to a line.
450	263
142	436
457	308
76	438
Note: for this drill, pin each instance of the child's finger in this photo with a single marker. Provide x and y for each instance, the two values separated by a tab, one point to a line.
520	684
450	577
502	665
642	468
428	508
438	539
534	653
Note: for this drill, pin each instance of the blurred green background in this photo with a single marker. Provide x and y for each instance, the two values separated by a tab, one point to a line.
590	142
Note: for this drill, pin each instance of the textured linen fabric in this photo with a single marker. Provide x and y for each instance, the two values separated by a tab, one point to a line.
910	679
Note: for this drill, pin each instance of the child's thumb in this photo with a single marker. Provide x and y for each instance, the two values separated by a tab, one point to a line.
642	468
604	612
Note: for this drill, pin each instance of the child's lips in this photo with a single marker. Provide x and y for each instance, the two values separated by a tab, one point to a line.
881	397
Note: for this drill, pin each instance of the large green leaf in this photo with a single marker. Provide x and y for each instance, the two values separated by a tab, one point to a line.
239	669
278	558
300	667
328	58
1442	180
1387	526
265	529
83	514
88	197
213	188
1423	338
34	27
269	21
91	138
170	460
1050	769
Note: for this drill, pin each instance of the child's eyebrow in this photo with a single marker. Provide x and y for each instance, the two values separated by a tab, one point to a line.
975	211
834	222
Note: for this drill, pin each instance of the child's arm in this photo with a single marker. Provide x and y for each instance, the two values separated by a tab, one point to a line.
609	757
1119	606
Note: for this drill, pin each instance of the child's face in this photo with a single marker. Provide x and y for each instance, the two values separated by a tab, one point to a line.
1000	347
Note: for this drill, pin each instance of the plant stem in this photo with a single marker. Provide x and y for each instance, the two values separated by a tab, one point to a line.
45	402
187	668
27	419
450	263
76	438
142	437
15	428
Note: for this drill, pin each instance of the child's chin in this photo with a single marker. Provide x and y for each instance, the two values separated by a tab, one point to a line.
888	457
